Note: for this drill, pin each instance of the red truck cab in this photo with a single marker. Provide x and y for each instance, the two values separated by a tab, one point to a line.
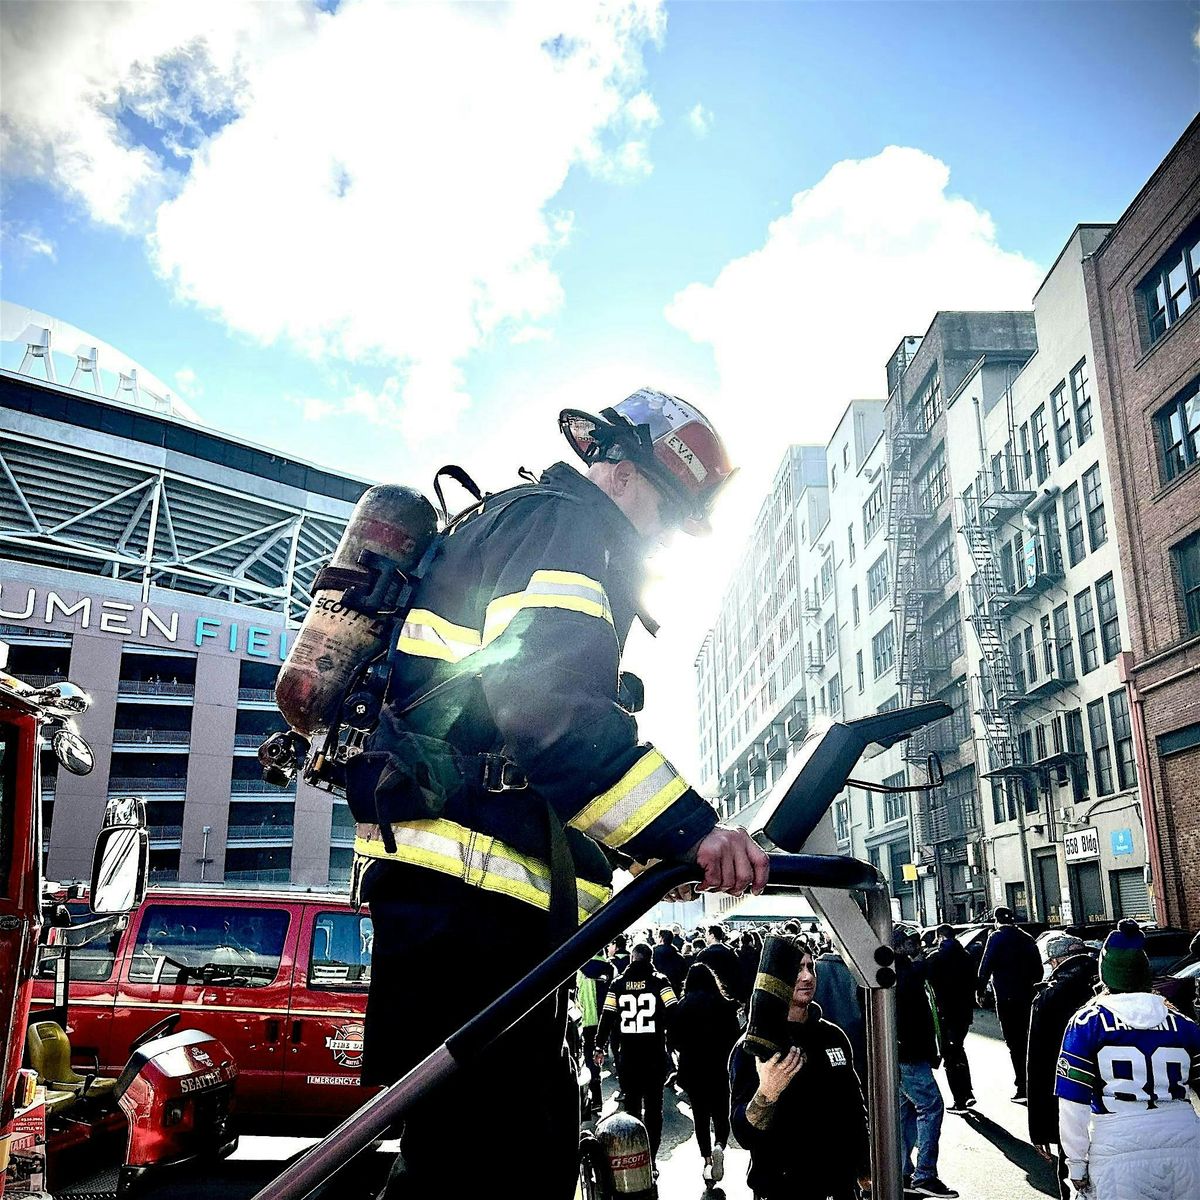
279	977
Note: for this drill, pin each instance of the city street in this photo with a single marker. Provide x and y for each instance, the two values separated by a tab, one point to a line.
985	1156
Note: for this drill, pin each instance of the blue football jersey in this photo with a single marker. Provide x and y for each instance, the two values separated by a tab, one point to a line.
1114	1067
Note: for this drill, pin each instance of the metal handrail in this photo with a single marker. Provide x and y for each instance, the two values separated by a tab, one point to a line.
143	687
164	832
370	1122
146	783
249	693
254	832
258	787
277	875
152	737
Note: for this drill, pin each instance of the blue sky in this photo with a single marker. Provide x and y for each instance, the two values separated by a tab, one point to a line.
406	237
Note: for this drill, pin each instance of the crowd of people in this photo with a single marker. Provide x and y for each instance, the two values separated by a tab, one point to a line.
762	1030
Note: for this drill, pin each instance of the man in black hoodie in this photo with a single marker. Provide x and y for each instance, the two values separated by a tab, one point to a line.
951	971
1071	985
800	1112
669	962
1013	965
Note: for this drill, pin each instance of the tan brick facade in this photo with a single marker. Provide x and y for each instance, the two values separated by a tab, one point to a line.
1136	377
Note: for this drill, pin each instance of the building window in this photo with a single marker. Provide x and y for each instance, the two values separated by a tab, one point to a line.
1187	564
945	633
1041	446
883	649
841	813
1062	422
833	478
827	576
1064	644
1173	286
938	556
1073	518
1101	754
850	541
1110	624
835	695
1093	501
895	804
877	581
858	662
854	604
1122	730
1082	400
930	402
1178	431
1026	452
873	514
1085	622
933	484
830	636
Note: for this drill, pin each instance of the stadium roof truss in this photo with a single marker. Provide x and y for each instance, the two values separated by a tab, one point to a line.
99	515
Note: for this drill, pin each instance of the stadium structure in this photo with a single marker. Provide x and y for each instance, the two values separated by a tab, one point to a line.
163	566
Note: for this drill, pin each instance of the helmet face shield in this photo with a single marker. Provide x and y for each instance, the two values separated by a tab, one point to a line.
668	439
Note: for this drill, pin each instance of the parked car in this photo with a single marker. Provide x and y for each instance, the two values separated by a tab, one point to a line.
279	978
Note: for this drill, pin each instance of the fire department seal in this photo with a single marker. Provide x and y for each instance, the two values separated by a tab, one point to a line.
346	1045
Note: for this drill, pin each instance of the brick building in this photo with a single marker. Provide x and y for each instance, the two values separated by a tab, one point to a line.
1143	292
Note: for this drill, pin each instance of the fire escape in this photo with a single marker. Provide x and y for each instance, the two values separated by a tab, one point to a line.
909	590
998	492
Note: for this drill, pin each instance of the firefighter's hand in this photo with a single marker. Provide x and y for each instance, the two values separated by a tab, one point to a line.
732	861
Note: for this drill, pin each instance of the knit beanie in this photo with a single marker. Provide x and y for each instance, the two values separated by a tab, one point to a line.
1124	966
771	1000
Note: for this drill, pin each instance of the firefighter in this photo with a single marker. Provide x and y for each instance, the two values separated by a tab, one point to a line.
503	763
639	1004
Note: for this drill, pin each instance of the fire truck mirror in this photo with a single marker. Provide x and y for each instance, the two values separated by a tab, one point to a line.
119	869
73	752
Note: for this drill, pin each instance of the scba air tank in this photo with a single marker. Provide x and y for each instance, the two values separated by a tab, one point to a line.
626	1145
347	626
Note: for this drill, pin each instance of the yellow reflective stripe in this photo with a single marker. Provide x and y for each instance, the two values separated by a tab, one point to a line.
635	801
773	986
548	589
426	635
667	995
610	1001
478	859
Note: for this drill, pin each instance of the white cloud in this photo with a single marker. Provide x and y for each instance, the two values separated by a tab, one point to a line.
372	186
27	241
187	382
868	254
1196	38
700	119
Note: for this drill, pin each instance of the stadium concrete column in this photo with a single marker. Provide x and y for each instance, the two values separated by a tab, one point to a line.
312	838
79	801
210	767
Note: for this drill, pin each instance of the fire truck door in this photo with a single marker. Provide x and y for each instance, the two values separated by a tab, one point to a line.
227	968
324	1043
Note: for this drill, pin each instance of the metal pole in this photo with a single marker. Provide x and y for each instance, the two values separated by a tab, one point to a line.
883	1067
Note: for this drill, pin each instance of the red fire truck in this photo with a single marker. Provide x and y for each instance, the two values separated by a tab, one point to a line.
171	1101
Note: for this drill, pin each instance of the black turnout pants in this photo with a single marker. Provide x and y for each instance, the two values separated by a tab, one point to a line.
642	1078
1013	1012
442	951
709	1098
